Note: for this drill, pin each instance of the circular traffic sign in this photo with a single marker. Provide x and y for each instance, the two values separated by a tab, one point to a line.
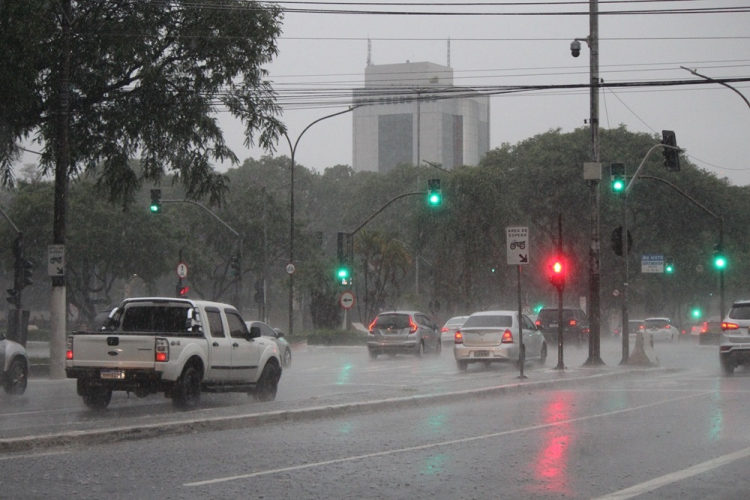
346	300
182	270
290	268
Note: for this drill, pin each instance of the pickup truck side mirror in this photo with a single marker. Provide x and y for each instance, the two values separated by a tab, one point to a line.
113	320
254	332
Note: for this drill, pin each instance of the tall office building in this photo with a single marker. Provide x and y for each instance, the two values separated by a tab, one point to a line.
412	113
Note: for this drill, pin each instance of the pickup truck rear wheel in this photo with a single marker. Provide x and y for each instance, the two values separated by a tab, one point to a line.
187	391
97	398
268	384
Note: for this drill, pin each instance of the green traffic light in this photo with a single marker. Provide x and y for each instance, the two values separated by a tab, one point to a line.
696	313
720	262
434	199
618	185
343	273
155	209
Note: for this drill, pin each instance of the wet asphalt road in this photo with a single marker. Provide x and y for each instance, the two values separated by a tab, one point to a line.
678	432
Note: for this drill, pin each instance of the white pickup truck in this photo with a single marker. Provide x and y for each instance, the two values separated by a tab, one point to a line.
180	347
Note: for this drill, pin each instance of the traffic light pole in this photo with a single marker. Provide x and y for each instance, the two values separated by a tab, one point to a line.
239	247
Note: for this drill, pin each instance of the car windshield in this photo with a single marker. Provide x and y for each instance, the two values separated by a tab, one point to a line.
740	311
484	320
657	323
392	321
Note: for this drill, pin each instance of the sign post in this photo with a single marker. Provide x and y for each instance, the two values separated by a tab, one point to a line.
517	246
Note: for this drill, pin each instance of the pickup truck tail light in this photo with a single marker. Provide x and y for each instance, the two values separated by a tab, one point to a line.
458	337
162	351
69	348
507	337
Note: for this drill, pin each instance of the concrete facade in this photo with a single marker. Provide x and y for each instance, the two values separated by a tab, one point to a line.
403	102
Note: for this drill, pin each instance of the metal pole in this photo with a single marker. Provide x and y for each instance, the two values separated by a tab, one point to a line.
560	343
594	252
625	330
721	271
521	345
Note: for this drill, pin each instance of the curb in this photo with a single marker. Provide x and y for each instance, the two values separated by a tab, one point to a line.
136	432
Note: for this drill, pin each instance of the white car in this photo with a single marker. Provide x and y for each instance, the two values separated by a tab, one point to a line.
277	336
448	331
14	366
661	329
492	336
734	341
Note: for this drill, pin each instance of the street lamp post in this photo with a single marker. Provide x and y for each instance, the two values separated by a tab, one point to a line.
293	150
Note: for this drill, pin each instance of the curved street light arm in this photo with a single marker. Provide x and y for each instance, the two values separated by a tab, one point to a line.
720	83
352	233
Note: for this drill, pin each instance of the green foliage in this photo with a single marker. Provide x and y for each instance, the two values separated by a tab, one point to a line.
145	80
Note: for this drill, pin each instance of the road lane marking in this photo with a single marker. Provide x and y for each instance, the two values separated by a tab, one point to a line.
674	477
34	455
439	444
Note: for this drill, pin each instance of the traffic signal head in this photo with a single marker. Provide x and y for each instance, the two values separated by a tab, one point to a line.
669	265
343	275
234	265
182	290
696	313
155	201
617	172
434	193
720	261
557	271
671	154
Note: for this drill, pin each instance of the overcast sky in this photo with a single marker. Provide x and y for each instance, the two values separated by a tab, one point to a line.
329	51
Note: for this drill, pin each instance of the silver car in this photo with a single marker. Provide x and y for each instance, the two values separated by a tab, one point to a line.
492	336
14	363
278	337
449	328
734	342
403	332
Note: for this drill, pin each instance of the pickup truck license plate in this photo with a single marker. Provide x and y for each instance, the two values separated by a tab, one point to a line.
112	374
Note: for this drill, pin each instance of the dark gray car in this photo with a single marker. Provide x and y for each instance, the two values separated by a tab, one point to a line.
403	332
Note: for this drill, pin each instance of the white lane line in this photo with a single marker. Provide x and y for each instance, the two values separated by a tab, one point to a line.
649	486
34	455
439	444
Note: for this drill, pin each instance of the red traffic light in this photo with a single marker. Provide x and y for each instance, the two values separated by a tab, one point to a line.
557	271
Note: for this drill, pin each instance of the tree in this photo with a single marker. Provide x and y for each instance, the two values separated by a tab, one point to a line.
136	79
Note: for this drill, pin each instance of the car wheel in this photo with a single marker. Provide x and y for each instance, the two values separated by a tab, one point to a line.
287	361
268	384
97	398
727	368
187	390
373	354
462	365
543	354
487	364
419	349
16	378
439	348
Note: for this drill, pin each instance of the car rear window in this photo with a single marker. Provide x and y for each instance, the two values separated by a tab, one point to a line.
656	323
740	311
488	321
392	321
455	322
547	315
159	319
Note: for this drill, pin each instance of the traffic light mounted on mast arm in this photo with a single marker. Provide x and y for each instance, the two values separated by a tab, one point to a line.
671	154
155	201
343	273
434	193
720	261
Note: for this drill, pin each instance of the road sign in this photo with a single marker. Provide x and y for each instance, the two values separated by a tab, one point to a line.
182	270
652	263
517	245
56	260
346	300
290	269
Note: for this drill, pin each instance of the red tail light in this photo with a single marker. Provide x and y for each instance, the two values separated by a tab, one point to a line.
372	325
538	323
444	329
507	337
572	322
412	325
667	327
704	328
162	350
458	337
69	348
642	327
729	326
